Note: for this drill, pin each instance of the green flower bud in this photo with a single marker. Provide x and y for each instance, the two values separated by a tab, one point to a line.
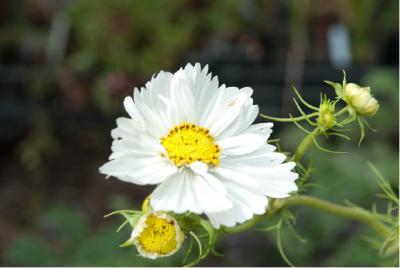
326	118
361	99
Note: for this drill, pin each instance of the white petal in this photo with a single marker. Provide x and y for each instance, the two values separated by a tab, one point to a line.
230	110
241	144
202	85
245	204
246	117
264	156
175	194
215	183
232	176
150	170
199	167
133	112
264	129
280	181
276	181
182	97
128	125
208	199
154	124
195	195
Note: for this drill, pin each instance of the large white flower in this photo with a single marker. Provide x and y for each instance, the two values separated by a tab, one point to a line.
194	139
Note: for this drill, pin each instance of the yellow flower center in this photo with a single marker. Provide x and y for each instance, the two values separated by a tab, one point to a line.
187	143
158	236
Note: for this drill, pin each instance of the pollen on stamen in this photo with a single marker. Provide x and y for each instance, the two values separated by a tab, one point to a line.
157	234
188	142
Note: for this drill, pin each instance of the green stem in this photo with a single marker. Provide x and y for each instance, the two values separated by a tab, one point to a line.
244	226
304	144
272	209
354	213
292	119
343	110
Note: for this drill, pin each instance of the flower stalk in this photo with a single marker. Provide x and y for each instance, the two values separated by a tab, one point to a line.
287	120
244	226
354	213
307	141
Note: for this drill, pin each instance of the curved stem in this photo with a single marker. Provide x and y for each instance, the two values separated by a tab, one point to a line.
354	213
304	144
244	226
272	209
343	110
292	119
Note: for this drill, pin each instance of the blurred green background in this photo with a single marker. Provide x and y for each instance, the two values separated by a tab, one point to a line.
65	67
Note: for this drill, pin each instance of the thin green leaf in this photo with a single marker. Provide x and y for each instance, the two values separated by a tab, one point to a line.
352	115
303	113
341	129
216	253
295	233
324	149
122	226
292	119
344	82
339	135
362	130
188	251
336	86
197	240
300	127
373	241
384	184
302	100
273	140
120	212
267	229
211	236
279	244
368	125
126	244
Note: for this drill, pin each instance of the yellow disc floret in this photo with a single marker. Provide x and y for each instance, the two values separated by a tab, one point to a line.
158	236
187	143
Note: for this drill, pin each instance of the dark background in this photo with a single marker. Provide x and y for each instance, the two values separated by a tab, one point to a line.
65	67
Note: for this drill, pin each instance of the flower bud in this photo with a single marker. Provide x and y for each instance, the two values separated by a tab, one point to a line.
361	99
326	117
157	234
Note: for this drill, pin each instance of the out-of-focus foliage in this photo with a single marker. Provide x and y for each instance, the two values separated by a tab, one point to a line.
124	42
115	45
384	14
141	37
62	237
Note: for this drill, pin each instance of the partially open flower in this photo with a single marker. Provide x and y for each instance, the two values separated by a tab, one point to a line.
157	234
361	99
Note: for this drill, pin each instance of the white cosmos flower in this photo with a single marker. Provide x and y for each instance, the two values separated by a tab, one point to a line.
195	139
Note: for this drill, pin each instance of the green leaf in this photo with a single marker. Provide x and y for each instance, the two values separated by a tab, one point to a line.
337	87
30	250
279	244
200	248
127	243
362	130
